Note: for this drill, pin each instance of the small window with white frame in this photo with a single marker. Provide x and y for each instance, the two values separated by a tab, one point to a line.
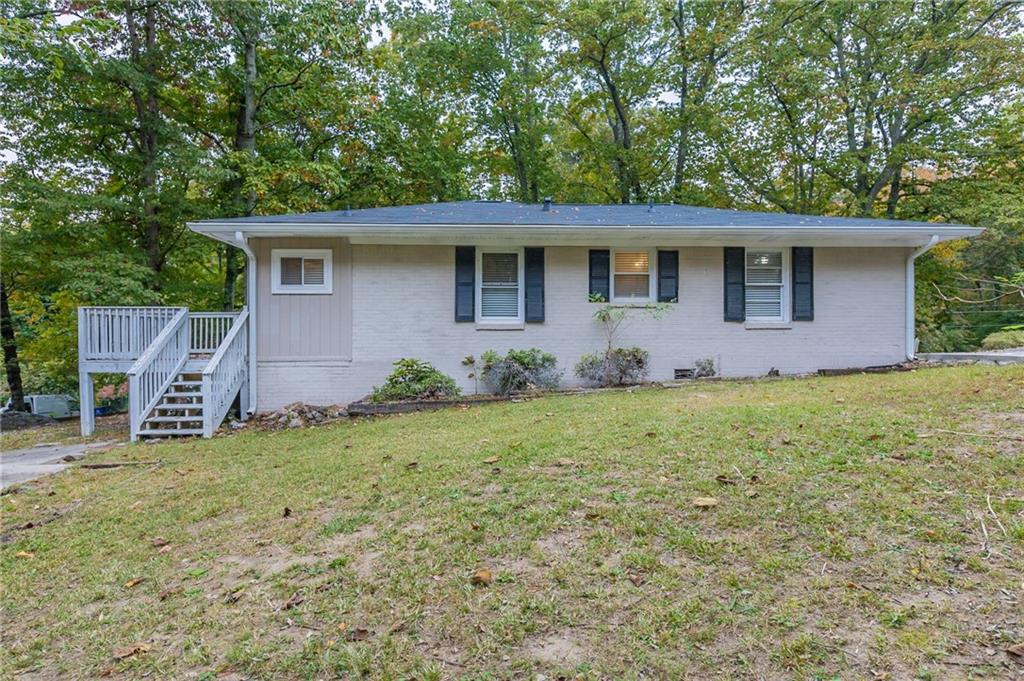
301	271
766	277
500	290
632	276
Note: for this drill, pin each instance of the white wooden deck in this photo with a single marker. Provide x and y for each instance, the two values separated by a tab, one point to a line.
184	368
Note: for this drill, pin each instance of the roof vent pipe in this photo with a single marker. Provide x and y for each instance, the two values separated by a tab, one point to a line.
547	204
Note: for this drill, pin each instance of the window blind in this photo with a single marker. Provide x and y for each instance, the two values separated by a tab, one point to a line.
499	285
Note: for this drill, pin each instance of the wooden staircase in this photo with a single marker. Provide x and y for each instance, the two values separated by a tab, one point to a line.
180	410
185	369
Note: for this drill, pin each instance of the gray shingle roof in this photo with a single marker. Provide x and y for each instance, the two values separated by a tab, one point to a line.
500	213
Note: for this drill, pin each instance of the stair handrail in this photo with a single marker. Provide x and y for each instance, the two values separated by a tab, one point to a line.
154	371
225	373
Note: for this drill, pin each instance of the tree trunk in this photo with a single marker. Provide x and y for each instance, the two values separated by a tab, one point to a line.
245	142
147	112
11	364
895	187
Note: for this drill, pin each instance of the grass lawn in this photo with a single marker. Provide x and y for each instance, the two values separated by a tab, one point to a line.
853	537
64	432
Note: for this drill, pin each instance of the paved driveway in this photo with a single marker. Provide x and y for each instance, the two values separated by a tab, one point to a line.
19	465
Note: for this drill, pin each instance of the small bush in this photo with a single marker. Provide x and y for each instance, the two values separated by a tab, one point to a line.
519	370
1004	340
415	380
704	367
619	366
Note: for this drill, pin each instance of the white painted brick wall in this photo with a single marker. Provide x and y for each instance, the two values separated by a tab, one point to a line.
403	306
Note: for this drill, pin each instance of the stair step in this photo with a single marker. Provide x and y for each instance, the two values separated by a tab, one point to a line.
165	432
173	419
184	382
165	406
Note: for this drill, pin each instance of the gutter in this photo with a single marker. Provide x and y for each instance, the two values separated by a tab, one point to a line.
911	341
250	302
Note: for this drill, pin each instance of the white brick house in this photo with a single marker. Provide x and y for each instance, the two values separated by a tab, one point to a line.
335	298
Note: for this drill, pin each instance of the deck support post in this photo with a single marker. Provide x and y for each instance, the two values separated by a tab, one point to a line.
86	403
243	399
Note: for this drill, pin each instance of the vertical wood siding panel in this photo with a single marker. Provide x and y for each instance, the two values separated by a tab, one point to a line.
304	327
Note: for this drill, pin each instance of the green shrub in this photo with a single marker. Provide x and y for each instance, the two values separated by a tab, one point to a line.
519	370
618	366
1003	340
415	380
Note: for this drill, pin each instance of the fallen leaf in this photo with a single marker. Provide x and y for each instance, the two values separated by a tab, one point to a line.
840	400
130	651
491	459
1016	651
482	577
651	433
724	480
159	541
874	436
24	554
705	502
287	512
235	595
412	464
131	583
474	526
549	414
342	626
637	580
751	493
786	440
357	634
164	549
295	600
167	593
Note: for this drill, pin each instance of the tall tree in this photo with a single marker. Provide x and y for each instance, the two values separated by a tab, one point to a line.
615	50
861	90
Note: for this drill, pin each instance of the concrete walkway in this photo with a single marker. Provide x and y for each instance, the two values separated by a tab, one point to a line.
1014	356
19	465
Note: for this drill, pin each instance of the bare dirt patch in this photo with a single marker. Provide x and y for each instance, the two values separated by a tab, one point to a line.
562	648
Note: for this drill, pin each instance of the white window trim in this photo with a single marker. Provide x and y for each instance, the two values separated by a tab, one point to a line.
479	283
784	307
652	276
276	287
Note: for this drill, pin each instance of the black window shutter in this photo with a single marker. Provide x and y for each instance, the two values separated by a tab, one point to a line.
465	283
533	261
668	276
803	284
600	274
735	289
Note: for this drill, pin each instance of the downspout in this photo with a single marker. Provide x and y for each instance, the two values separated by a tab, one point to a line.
250	303
910	303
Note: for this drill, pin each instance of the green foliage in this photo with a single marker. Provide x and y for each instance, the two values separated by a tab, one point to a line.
618	366
519	371
704	367
413	379
1002	340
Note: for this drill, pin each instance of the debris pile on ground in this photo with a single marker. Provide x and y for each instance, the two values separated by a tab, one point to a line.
16	420
298	415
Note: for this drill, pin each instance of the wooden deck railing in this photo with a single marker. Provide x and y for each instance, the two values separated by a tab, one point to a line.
225	374
154	371
208	329
120	333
